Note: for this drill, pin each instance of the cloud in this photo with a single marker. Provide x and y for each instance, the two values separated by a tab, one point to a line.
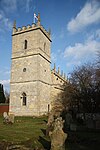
5	72
28	5
1	16
89	14
5	22
53	57
5	82
8	5
53	37
82	49
98	34
82	52
76	63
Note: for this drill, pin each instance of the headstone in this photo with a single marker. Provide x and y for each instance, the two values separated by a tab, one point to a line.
50	118
57	136
8	119
11	118
5	118
50	123
5	115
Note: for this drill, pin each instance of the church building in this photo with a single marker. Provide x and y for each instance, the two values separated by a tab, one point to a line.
33	85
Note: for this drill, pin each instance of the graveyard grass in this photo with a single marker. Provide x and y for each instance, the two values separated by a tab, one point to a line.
30	132
26	130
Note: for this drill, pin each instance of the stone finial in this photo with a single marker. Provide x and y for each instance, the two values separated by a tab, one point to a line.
39	19
62	73
67	77
58	70
14	25
64	76
49	31
54	67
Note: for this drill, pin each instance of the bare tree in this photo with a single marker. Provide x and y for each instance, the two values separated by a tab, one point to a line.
83	91
7	96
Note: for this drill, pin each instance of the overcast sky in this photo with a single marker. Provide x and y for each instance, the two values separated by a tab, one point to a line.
75	30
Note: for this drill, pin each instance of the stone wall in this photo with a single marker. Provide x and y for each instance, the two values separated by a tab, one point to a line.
57	85
30	71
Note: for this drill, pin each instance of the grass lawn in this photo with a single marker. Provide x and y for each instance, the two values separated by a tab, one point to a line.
26	130
30	132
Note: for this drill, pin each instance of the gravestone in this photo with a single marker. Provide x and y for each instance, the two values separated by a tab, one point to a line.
8	119
50	123
11	118
50	118
5	115
5	118
57	136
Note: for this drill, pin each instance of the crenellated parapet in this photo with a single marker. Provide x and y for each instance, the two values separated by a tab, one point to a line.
59	73
29	28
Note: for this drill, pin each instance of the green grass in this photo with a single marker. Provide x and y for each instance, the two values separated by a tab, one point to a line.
30	132
25	130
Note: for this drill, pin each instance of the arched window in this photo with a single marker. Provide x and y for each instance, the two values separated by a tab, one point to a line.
25	44
24	99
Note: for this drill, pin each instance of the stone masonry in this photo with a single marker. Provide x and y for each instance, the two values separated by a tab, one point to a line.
33	85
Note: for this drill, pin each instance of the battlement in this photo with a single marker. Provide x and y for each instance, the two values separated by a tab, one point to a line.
29	28
59	74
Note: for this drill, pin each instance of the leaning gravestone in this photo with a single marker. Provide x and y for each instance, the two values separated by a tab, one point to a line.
5	115
5	118
8	119
50	118
50	123
57	136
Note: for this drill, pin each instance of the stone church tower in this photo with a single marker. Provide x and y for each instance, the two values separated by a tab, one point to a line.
30	84
33	85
